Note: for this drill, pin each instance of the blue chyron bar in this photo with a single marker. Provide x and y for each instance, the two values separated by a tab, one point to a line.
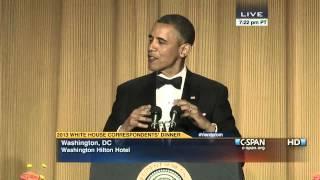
136	147
252	13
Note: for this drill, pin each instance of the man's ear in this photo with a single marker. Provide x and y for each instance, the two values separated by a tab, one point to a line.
184	50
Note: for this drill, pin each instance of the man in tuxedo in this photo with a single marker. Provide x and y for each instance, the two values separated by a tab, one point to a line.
203	102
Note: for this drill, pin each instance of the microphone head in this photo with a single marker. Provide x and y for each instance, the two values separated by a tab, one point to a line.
156	110
175	110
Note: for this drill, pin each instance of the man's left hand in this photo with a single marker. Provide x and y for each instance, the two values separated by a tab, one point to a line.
192	111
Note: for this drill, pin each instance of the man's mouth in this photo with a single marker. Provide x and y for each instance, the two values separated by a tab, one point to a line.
151	58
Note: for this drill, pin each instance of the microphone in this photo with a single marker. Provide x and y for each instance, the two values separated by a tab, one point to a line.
156	114
174	114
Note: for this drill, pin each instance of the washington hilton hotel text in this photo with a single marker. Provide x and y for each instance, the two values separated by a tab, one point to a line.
91	146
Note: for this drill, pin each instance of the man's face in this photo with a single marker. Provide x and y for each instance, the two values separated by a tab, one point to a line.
163	50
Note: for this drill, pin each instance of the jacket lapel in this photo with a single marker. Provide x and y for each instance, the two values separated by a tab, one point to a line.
149	92
191	94
147	95
190	89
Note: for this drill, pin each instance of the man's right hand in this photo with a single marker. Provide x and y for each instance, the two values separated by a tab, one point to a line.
137	118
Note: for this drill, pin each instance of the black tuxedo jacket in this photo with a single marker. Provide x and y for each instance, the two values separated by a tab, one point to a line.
209	96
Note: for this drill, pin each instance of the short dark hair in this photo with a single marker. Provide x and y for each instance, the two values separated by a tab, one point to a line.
182	25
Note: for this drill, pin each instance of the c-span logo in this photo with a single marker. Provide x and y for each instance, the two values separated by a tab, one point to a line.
251	144
164	170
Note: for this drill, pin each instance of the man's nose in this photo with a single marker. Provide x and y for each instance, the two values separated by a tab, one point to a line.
152	46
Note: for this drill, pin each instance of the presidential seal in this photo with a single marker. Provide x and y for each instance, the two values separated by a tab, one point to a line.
164	171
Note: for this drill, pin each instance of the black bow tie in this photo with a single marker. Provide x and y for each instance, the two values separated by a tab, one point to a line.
175	82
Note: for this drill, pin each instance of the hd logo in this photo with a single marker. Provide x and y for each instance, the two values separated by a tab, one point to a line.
251	144
297	142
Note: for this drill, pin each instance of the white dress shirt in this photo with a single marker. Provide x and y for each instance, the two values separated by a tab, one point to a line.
165	97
